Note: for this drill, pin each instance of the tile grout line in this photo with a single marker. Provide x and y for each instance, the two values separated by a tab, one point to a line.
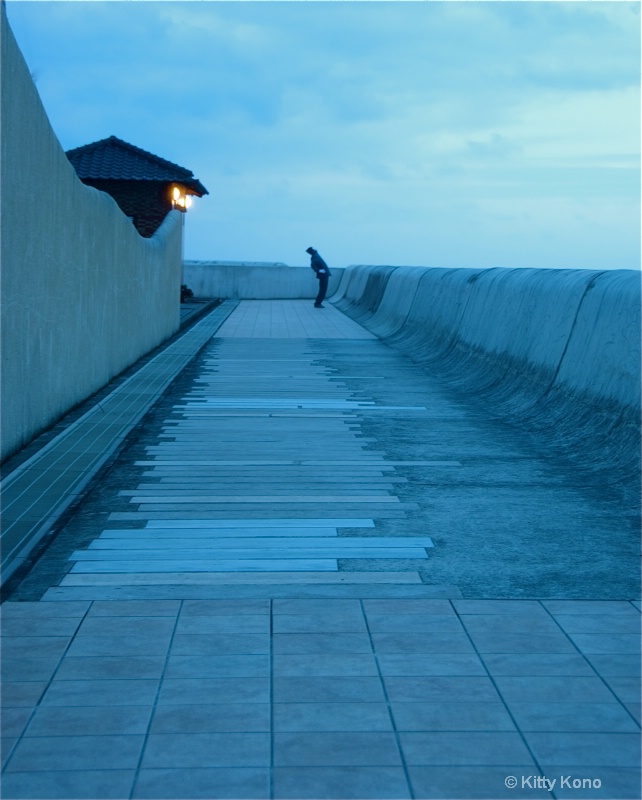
152	715
384	689
47	687
586	658
271	690
521	733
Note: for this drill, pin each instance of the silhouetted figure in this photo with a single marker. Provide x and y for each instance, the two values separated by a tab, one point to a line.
323	273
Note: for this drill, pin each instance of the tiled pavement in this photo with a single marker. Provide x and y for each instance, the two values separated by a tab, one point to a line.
326	653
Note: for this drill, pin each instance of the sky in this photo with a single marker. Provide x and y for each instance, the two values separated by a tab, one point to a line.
442	134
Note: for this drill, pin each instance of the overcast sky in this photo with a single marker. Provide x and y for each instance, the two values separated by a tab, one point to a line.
453	134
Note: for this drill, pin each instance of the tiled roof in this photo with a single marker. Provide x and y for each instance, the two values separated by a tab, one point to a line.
114	159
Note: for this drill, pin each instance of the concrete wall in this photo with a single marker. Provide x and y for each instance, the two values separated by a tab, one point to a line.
254	281
83	295
556	352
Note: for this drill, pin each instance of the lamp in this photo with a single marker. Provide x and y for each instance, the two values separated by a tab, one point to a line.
181	200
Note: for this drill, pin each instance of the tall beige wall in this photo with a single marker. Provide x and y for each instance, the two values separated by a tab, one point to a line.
83	295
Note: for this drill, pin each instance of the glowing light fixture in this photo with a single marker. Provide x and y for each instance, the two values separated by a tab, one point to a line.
181	200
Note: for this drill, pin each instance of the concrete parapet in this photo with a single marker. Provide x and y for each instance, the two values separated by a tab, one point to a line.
603	351
554	351
396	303
254	281
364	290
83	295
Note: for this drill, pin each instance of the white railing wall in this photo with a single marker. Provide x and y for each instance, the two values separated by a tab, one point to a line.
254	281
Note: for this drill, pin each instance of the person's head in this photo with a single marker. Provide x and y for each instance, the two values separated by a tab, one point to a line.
310	250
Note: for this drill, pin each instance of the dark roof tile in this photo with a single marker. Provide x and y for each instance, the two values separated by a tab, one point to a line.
114	159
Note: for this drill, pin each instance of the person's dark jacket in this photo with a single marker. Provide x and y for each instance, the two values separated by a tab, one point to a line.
319	265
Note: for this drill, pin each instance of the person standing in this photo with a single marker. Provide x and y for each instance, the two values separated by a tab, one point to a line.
323	274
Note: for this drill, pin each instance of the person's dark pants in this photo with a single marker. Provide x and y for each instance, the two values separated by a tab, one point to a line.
323	288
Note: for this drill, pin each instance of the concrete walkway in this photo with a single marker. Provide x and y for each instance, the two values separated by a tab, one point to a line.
314	572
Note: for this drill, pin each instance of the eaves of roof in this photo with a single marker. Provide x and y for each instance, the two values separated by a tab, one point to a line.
114	159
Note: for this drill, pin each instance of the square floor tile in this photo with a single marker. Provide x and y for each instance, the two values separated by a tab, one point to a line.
414	623
24	647
158	627
441	689
325	664
110	784
212	718
28	669
566	751
607	643
522	608
308	623
223	623
340	783
52	753
328	690
537	664
424	664
218	644
212	666
335	748
110	668
332	607
590	607
626	688
465	748
323	643
119	645
189	691
181	750
598	717
599	623
453	716
90	721
340	716
635	710
553	688
22	693
431	642
234	607
101	693
489	624
506	641
49	626
400	606
616	665
7	743
37	610
249	783
14	721
134	608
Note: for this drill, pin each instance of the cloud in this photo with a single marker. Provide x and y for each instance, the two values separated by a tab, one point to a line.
387	130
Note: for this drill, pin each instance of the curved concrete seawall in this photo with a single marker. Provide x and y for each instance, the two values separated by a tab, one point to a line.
555	351
254	281
83	295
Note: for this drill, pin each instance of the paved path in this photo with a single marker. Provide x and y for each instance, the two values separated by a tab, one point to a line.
315	573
